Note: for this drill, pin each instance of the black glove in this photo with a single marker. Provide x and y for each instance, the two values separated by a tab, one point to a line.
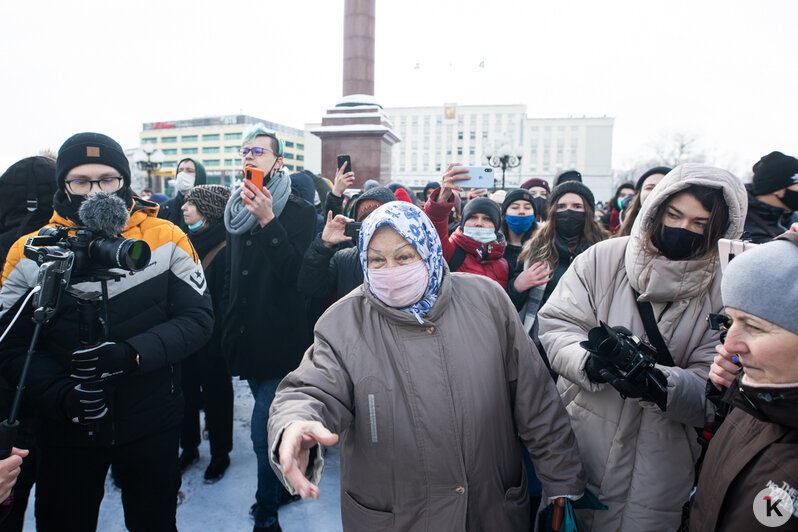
598	370
102	362
85	406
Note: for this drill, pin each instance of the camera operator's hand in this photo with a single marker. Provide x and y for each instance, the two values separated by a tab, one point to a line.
85	406
598	370
333	232
102	362
343	180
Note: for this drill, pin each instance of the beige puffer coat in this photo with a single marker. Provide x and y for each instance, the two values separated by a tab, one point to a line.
432	415
640	460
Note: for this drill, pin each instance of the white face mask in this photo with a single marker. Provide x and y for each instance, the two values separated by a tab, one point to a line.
483	235
184	182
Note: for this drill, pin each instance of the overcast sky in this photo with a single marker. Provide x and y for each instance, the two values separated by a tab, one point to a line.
723	71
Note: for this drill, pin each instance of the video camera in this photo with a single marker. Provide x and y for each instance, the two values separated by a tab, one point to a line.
66	255
630	362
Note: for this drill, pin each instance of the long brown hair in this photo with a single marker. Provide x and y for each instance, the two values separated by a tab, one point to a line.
541	247
713	201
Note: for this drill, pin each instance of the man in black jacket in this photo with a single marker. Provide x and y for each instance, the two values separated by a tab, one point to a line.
772	196
130	415
265	329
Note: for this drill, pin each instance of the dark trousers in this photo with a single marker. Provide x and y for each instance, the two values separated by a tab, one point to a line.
205	381
71	484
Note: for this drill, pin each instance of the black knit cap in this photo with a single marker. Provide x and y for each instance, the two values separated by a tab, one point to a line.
90	148
516	194
568	175
380	194
210	201
664	170
572	187
773	172
484	206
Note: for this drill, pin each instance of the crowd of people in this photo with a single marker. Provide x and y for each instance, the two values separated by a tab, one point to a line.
486	361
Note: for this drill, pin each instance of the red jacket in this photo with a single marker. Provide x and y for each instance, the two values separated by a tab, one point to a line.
482	259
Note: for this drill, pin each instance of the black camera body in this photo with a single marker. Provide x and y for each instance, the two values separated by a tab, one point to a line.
630	359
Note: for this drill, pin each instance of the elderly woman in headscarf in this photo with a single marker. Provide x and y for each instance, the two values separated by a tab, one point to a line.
431	381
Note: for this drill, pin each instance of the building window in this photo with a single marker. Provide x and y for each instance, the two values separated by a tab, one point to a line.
231	149
210	149
228	162
460	151
189	138
150	140
189	151
169	164
300	146
210	136
232	136
289	144
210	162
459	135
299	168
288	156
168	140
170	151
473	135
290	166
300	157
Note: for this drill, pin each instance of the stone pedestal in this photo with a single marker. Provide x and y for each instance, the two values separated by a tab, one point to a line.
363	131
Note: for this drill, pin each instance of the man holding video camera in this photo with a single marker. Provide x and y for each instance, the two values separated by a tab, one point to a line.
118	403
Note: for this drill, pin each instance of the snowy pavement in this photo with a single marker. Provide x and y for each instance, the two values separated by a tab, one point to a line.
224	506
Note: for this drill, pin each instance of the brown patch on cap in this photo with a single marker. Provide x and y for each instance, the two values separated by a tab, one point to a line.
92	151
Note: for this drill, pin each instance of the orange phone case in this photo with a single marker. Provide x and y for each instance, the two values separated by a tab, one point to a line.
255	175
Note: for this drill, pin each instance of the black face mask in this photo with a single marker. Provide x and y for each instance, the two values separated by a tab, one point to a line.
678	243
570	223
540	205
790	199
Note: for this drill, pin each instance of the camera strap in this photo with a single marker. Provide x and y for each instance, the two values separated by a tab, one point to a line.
664	357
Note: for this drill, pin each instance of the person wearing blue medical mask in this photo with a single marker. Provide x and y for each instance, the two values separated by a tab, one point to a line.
519	222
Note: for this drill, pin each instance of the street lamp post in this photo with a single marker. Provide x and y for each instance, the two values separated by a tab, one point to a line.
148	159
504	157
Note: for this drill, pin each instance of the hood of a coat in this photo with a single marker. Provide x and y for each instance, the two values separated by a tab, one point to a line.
659	279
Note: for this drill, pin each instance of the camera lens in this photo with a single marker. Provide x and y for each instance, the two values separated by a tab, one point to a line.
126	253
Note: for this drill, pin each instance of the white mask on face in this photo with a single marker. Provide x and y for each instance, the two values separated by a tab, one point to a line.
184	182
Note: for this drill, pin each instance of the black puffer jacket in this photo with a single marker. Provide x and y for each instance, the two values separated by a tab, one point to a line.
326	272
266	328
769	217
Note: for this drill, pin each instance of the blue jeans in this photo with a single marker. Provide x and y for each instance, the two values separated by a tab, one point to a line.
270	489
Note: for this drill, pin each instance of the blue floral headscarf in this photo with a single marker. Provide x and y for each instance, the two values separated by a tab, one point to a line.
414	226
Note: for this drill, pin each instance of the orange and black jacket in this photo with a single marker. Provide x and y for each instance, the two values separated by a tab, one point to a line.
163	311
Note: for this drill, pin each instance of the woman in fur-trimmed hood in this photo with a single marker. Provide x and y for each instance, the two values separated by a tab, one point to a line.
639	458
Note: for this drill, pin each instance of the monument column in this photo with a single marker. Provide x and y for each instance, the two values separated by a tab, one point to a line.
357	125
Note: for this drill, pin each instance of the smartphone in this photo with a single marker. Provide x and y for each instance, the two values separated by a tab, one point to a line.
345	159
481	177
353	229
255	175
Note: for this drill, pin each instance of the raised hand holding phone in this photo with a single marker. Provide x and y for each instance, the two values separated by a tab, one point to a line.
449	183
344	176
254	176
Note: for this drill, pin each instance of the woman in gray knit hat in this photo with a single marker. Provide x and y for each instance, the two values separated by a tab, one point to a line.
205	378
754	454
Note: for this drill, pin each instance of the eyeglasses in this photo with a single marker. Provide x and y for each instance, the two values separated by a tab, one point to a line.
256	151
83	186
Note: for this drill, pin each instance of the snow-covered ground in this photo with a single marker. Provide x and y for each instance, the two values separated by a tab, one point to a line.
224	506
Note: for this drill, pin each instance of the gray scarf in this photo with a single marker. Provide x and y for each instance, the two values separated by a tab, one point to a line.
238	220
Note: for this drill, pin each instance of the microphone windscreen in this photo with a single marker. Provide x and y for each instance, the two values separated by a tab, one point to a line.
104	212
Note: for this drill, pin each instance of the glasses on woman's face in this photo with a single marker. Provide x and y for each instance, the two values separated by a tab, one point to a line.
82	186
256	151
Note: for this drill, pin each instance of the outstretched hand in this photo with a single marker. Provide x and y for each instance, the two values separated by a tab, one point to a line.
454	173
297	440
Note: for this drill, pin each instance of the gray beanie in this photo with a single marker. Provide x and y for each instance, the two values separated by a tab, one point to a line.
763	282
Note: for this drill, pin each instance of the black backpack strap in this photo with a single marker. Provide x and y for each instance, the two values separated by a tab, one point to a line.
758	220
457	259
654	336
